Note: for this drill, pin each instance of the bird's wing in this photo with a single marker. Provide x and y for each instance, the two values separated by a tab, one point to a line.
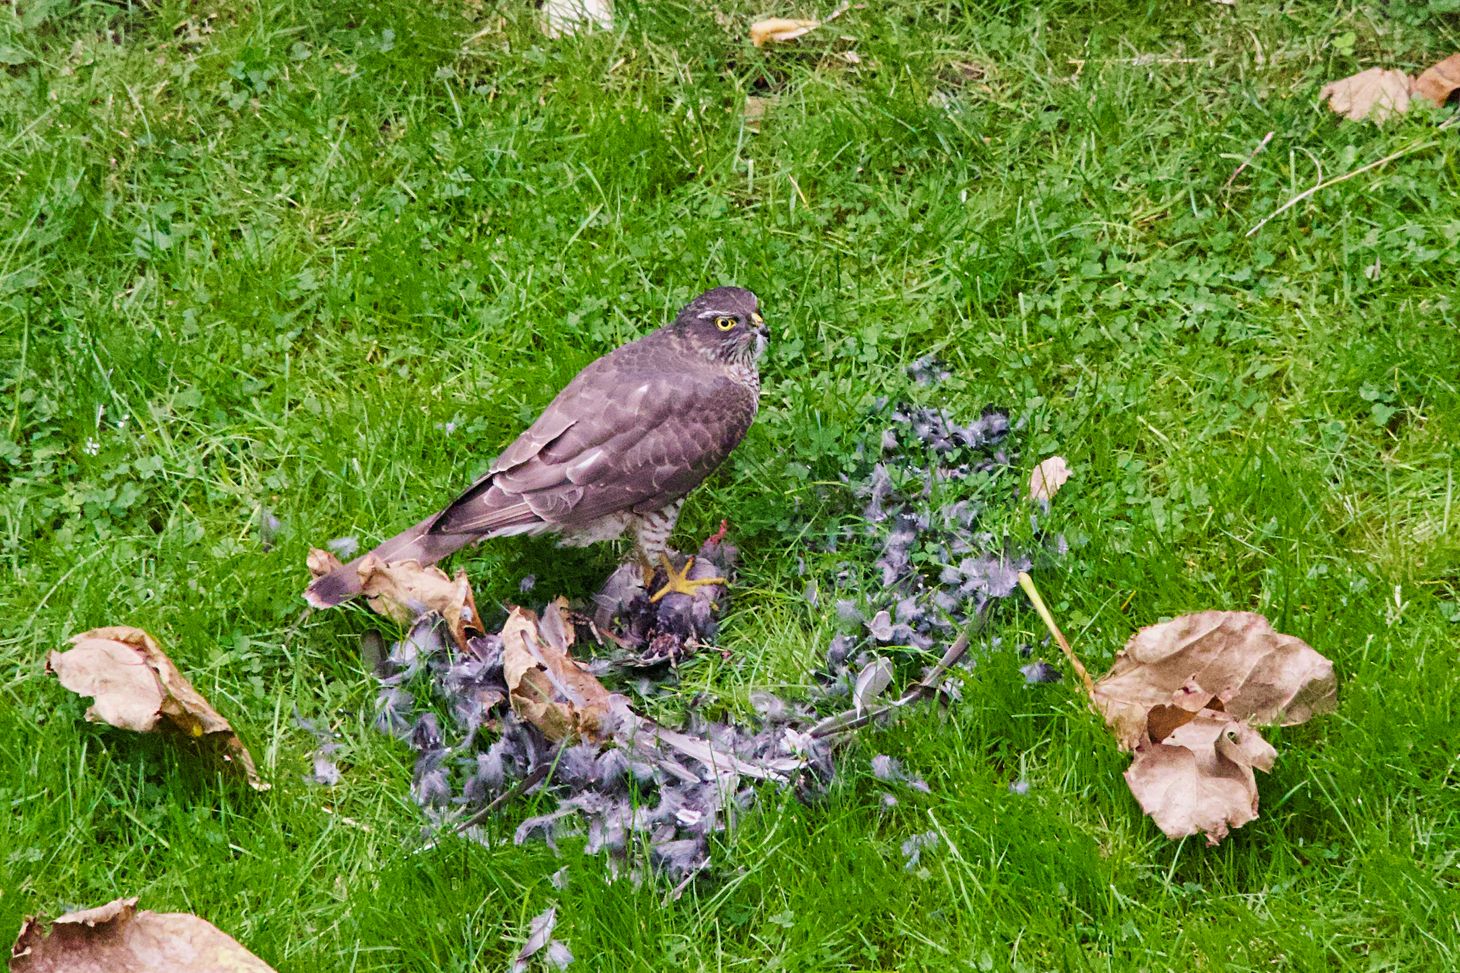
620	437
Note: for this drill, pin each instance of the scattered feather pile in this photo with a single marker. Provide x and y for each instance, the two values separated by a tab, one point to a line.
325	771
540	937
622	781
937	565
495	715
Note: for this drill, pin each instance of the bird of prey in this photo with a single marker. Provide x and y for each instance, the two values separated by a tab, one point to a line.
616	451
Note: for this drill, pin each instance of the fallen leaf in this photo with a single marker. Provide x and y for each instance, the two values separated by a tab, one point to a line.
779	30
1048	477
1199	779
1439	81
1374	94
550	689
404	591
563	17
116	938
1235	660
135	686
1182	695
322	562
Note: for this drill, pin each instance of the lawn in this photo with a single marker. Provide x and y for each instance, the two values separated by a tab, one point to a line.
326	259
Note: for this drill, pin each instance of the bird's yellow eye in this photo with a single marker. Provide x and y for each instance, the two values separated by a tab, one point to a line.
724	323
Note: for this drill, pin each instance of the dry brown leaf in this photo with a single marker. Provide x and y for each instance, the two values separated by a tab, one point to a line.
116	938
1439	81
779	30
1374	94
404	591
546	686
135	686
1199	779
1232	661
322	562
1048	477
563	17
1182	695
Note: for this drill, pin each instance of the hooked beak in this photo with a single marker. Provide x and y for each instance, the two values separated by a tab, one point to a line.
761	328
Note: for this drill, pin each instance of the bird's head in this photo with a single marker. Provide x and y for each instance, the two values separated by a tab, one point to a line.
725	324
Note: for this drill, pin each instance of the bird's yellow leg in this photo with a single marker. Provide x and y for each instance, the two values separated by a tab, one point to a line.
679	581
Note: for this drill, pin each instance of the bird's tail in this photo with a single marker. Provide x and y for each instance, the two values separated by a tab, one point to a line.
413	544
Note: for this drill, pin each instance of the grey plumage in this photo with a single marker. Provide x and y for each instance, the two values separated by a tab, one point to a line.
617	449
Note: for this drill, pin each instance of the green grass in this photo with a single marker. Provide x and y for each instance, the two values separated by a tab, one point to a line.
262	254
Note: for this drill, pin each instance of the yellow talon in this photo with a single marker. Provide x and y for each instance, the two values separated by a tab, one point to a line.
679	581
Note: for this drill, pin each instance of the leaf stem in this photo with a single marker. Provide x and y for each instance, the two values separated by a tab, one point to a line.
1027	583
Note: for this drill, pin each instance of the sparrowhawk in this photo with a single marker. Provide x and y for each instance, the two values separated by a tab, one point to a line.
616	451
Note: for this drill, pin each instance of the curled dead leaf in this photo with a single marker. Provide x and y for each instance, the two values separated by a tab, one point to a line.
116	938
1199	779
404	591
546	686
1373	94
135	686
1439	82
1231	661
1182	695
779	30
321	562
1048	477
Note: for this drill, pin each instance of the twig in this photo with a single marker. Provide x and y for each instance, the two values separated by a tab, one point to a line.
1260	146
521	787
678	890
1027	583
491	28
1412	147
